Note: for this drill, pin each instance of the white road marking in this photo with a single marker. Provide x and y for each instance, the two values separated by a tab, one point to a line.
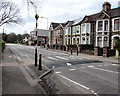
72	69
68	64
26	55
61	58
58	72
83	86
103	69
10	56
18	57
114	64
91	66
100	65
52	58
82	67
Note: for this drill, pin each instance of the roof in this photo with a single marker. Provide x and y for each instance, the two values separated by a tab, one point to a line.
114	12
69	23
54	25
109	14
77	21
89	18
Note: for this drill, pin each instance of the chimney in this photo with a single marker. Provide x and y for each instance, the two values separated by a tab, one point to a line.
106	6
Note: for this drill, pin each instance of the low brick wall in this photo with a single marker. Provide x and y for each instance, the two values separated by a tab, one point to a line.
111	52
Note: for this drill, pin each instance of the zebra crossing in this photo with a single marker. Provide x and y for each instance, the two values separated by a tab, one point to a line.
56	58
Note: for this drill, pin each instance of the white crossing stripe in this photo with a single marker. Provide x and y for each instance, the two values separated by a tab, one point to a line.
102	69
52	58
61	58
72	69
58	72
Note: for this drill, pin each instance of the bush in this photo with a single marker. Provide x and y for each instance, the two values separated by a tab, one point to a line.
2	43
117	44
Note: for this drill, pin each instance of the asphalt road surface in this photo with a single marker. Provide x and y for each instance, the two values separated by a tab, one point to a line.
82	74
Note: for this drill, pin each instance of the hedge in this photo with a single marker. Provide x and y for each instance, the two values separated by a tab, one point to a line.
2	45
117	44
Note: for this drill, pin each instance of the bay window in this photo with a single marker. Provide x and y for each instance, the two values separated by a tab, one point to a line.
102	25
106	25
85	28
116	24
99	41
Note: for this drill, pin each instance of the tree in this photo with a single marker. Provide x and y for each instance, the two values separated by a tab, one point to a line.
9	13
117	44
11	38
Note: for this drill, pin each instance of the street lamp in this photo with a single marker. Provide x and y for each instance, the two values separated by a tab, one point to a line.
47	28
47	21
36	17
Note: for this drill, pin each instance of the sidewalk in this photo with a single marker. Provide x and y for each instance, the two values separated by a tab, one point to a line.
20	75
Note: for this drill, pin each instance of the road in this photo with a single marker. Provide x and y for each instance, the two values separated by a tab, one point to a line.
82	74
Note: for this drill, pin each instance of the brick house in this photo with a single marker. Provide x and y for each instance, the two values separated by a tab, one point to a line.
68	33
88	24
52	33
100	29
107	26
76	39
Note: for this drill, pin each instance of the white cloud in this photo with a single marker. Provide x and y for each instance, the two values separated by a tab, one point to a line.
59	11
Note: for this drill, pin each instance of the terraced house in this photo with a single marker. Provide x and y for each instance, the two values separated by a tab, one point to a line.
100	29
107	26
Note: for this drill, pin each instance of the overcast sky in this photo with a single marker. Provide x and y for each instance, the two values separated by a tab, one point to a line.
55	11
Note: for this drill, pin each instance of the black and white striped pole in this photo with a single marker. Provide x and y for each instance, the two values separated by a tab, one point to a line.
36	17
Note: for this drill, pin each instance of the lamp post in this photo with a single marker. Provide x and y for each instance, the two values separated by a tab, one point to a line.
47	21
47	29
36	42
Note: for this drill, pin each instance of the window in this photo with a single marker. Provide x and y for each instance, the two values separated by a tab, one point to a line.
65	41
87	41
105	41
85	28
67	30
106	25
99	41
68	41
100	25
117	24
77	40
73	40
83	40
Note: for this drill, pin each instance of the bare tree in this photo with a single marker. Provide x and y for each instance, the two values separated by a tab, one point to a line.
9	13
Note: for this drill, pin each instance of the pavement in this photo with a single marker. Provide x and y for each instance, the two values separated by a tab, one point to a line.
21	75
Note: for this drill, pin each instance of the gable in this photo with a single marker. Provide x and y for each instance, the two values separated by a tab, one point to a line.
103	15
